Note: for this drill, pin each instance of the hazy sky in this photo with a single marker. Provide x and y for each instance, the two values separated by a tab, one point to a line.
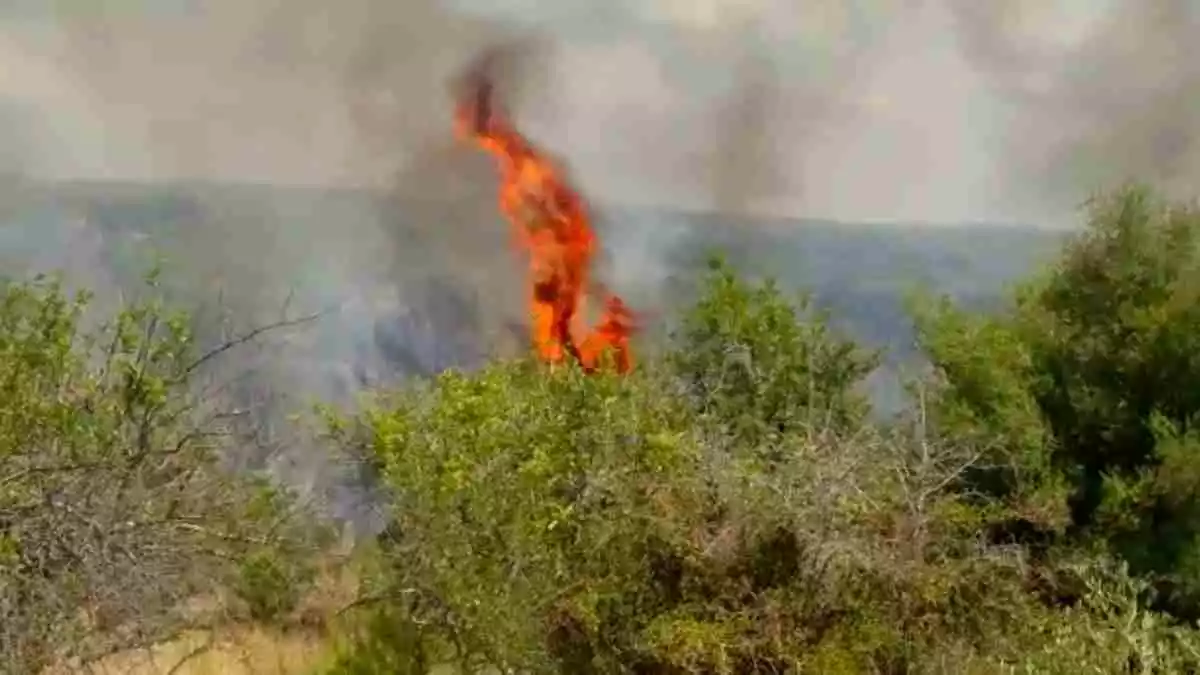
943	110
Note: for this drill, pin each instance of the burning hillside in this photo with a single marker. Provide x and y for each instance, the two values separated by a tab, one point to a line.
552	227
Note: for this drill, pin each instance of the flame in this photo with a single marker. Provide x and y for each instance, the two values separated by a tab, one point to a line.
552	226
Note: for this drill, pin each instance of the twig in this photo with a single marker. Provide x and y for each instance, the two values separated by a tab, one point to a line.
950	477
55	468
192	654
243	339
198	529
372	599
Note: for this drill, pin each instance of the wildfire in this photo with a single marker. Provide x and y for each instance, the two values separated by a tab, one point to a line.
551	225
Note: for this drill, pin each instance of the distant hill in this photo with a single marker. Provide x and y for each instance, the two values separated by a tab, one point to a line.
859	273
328	246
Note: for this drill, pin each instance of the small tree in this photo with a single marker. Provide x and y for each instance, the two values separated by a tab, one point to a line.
762	367
113	511
1091	380
528	503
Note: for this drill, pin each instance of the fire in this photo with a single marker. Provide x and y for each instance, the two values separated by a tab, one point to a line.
551	225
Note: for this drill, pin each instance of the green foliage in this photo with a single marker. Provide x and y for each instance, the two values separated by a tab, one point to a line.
984	397
387	641
113	510
270	585
1110	630
545	521
525	498
728	508
763	367
1090	383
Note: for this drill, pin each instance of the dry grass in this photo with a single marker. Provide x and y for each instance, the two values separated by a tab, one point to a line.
298	646
232	651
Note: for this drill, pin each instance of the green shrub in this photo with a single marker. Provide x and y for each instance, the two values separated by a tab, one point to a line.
1086	390
521	497
113	510
763	367
270	586
547	521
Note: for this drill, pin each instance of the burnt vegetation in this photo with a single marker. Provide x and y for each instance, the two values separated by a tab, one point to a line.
729	506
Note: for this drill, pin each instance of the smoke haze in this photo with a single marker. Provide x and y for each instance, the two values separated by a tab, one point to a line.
903	110
952	111
1116	99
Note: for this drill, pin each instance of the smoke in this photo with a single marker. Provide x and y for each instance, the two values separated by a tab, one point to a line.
923	110
914	110
743	167
944	110
220	111
1109	96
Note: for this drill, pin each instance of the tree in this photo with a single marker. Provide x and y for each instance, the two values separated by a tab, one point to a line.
543	520
762	367
113	509
527	502
1090	382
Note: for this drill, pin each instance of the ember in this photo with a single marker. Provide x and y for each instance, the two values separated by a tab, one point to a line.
551	224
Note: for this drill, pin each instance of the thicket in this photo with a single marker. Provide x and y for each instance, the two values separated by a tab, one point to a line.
733	507
729	508
116	515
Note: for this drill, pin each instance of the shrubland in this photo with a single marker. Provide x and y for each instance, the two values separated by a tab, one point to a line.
731	506
119	527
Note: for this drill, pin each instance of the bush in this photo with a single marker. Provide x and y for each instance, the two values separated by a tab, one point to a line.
113	511
546	521
525	503
1110	630
1087	387
730	507
762	367
270	584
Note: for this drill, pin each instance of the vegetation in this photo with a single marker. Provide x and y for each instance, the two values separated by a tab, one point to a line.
729	507
114	512
1089	384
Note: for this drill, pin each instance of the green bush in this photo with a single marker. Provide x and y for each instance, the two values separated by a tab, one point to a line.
271	584
527	502
114	512
1086	390
762	367
547	521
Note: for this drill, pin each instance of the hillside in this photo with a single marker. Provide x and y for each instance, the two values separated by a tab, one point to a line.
731	506
420	285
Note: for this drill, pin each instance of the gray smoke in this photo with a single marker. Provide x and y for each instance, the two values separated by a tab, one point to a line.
716	104
207	107
933	109
1118	102
743	167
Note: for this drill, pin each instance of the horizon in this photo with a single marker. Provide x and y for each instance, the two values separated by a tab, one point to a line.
744	217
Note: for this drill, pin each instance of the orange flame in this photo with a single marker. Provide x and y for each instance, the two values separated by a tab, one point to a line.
551	224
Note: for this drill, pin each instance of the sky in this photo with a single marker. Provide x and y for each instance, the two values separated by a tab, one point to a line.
950	111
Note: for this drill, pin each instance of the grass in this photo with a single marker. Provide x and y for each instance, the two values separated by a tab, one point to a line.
299	643
237	650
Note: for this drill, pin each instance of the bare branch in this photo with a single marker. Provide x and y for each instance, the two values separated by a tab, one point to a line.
248	337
